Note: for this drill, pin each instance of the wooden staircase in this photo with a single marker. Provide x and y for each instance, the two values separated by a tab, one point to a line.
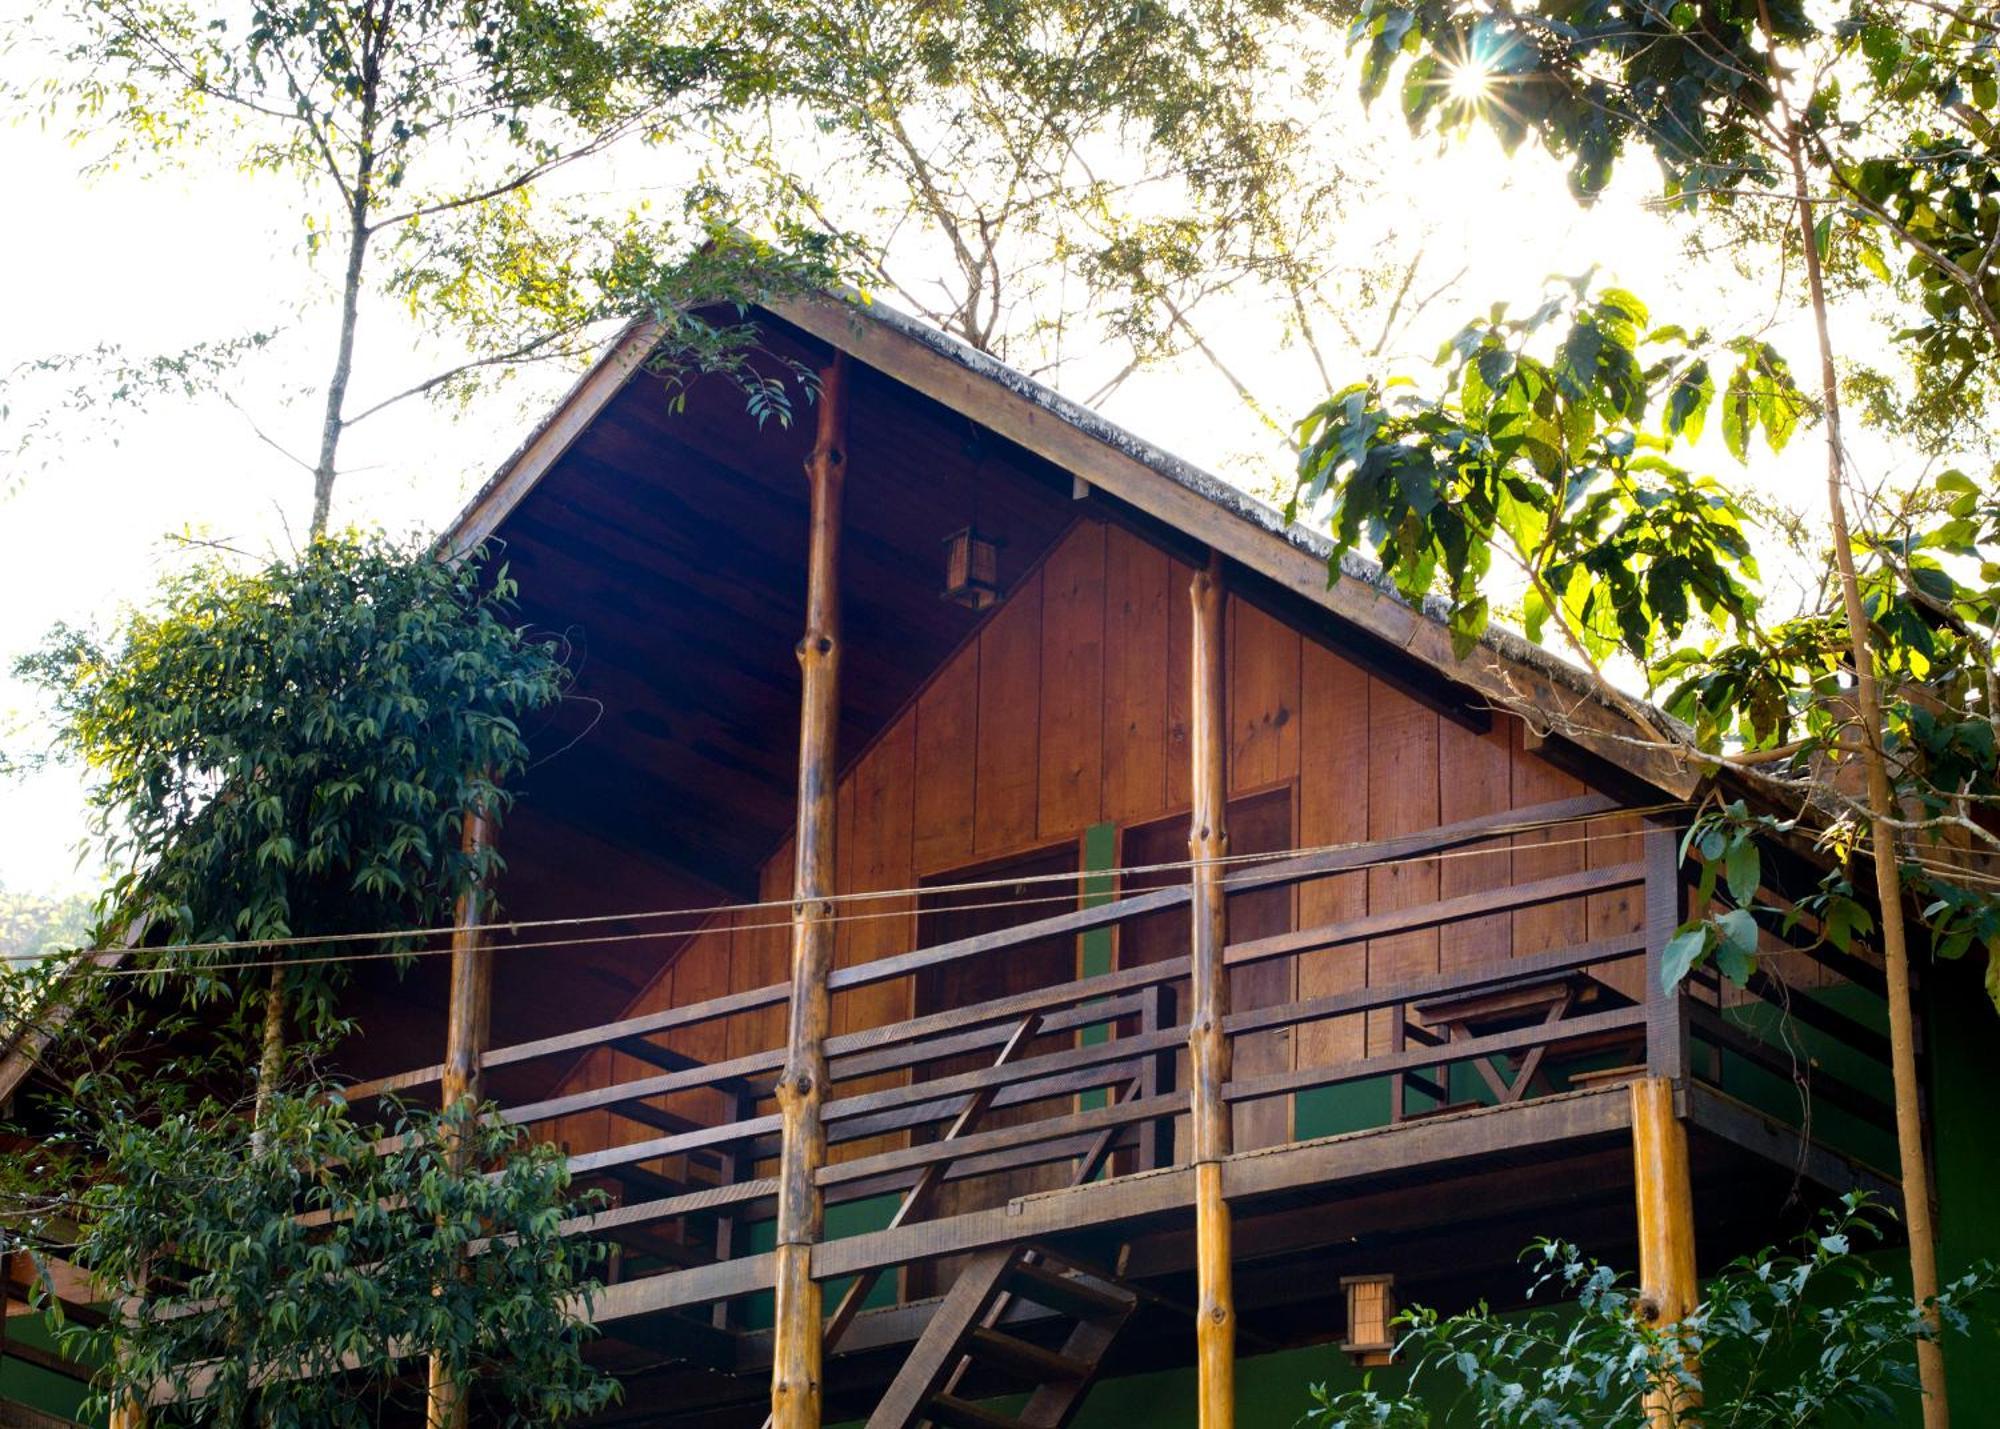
967	1332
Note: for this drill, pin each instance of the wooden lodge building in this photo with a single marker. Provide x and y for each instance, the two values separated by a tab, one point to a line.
1013	654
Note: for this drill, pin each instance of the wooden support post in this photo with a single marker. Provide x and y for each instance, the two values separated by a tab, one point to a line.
127	1414
468	1016
797	1341
1208	1044
1667	1283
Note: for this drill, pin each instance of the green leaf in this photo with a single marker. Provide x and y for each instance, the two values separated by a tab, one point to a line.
1738	928
1681	954
1468	623
1744	870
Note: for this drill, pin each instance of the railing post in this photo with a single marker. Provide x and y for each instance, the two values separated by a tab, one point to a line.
129	1411
798	1330
1666	1008
741	1108
1156	1078
1208	1044
1399	1032
468	1016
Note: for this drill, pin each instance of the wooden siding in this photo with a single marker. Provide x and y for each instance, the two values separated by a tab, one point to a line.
1068	707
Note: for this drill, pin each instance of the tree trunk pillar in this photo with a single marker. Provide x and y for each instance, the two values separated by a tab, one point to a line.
1208	1044
798	1340
1668	1286
468	1016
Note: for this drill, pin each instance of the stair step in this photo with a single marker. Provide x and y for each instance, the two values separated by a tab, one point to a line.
1084	1296
955	1413
1029	1360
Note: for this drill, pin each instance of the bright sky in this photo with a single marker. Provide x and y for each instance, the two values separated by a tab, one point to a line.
157	262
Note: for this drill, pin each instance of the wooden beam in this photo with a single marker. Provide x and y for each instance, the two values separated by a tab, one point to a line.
14	1415
1367	999
1208	1040
468	1016
1447	910
1517	1039
1813	1079
1446	1145
1722	1115
572	416
798	1347
1668	1286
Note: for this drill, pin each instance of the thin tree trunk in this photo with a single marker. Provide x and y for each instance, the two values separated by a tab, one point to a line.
1882	809
271	1061
360	211
331	423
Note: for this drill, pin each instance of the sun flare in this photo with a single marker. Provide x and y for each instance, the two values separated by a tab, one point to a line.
1469	82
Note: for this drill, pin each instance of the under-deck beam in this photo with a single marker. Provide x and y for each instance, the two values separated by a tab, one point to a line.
1208	1040
468	1016
798	1343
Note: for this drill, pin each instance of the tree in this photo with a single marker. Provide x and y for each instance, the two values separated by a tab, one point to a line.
1038	179
285	756
286	1281
1875	135
1886	116
424	140
1128	151
1553	444
1780	1339
32	925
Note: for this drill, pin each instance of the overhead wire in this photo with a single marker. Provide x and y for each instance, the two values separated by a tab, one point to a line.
704	915
965	886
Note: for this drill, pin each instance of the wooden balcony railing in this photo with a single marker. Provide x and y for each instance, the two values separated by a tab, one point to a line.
1101	1106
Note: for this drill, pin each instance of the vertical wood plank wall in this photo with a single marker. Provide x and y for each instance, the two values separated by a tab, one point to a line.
1069	708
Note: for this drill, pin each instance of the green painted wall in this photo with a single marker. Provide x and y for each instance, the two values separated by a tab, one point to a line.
31	1385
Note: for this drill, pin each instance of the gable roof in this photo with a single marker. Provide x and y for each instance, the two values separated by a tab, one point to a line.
1503	669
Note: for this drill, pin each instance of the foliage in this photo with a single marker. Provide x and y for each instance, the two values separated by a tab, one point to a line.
288	1280
1781	1339
1562	461
424	140
1894	115
1556	447
287	753
32	926
1011	169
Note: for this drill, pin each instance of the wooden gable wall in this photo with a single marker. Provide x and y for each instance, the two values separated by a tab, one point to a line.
1069	708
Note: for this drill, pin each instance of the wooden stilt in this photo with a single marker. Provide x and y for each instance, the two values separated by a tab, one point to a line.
1666	1224
468	1016
1208	1046
798	1339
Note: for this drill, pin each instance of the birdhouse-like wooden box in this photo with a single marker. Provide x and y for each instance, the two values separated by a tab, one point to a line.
1371	1306
971	568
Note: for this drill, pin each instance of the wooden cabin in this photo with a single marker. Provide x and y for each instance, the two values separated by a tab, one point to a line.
1014	654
